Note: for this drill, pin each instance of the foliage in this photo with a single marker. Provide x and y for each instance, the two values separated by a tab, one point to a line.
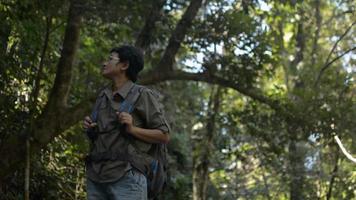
276	47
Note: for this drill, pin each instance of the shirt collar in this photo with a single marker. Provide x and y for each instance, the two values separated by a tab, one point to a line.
123	91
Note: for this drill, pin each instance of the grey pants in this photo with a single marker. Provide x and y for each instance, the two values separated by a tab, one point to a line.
132	186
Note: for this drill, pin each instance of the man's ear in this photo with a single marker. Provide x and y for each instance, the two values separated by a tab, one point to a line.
125	66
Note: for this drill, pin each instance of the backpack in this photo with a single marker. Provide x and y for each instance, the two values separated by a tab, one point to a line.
156	166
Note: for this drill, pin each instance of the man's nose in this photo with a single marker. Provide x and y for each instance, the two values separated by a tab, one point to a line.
104	63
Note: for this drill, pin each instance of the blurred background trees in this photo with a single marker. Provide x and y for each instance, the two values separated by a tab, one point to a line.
254	91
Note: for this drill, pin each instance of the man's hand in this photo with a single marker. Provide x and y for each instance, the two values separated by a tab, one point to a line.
126	118
147	135
88	123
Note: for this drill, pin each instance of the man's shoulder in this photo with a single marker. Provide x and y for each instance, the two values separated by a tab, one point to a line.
145	90
101	91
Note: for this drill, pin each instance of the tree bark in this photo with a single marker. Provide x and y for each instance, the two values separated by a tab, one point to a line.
328	62
174	43
57	117
296	167
36	85
4	34
294	130
54	117
152	77
145	36
318	21
203	148
59	93
333	175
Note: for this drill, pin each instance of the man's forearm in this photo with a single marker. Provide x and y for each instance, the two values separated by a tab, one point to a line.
150	135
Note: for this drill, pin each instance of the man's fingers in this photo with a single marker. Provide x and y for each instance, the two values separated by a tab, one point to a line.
124	118
125	121
122	114
88	123
118	115
87	118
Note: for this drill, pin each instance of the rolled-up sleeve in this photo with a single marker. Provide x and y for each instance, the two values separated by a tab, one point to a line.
152	112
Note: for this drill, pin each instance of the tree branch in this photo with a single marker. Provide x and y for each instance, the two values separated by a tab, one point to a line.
61	87
318	19
174	43
144	38
327	63
300	44
337	42
333	175
55	111
152	77
36	87
331	62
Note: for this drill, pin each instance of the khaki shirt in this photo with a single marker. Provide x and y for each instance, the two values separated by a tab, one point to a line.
147	114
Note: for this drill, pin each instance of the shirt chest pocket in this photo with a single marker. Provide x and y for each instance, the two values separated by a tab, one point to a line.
107	116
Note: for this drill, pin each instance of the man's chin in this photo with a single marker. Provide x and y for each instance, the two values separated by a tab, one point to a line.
106	75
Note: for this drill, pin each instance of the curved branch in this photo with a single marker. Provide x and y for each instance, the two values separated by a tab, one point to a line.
325	67
152	77
36	90
61	87
55	110
327	63
144	38
337	42
318	19
344	151
174	43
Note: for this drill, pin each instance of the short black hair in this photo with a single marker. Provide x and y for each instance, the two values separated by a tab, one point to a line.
134	56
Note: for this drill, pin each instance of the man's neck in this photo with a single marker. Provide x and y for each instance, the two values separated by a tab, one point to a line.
117	83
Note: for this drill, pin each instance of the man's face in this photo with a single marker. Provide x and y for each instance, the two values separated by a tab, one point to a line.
112	67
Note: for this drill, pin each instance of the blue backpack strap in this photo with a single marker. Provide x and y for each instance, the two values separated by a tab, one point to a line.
128	104
94	112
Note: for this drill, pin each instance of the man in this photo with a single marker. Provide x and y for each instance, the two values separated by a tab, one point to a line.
118	178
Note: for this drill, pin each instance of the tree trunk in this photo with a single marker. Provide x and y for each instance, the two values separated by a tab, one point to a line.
296	168
51	120
318	20
333	175
203	148
4	35
295	151
144	38
56	116
174	43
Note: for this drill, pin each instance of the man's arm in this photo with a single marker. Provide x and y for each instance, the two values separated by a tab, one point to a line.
147	135
150	135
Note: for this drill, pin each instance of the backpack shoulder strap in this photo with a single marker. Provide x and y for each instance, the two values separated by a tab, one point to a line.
94	113
131	98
